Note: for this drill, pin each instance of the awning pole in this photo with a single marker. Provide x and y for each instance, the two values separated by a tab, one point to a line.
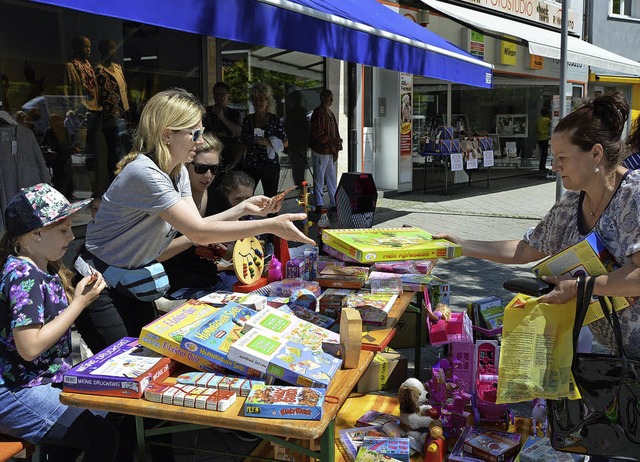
563	79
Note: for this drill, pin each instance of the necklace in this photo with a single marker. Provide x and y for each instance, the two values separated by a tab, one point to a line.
592	212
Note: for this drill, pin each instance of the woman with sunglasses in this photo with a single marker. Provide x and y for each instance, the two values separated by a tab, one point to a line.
192	270
149	201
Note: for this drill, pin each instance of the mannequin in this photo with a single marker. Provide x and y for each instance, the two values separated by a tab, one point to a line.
79	78
112	96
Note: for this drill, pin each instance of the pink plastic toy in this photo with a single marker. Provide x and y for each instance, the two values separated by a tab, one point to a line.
484	403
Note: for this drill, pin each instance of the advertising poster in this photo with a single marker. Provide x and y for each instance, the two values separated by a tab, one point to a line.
406	114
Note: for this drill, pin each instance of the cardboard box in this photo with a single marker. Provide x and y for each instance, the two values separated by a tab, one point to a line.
387	371
405	336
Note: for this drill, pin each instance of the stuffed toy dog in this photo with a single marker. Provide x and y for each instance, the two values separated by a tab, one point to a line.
414	410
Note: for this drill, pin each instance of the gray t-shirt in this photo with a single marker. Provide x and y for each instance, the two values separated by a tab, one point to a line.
128	231
619	228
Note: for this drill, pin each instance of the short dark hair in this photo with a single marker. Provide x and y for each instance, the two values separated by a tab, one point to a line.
326	92
222	85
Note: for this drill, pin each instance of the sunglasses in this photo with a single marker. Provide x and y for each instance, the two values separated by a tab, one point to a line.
195	134
201	169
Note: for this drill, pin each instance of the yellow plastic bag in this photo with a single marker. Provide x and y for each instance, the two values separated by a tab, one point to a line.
536	351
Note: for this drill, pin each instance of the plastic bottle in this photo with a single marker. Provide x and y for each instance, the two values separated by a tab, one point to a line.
323	223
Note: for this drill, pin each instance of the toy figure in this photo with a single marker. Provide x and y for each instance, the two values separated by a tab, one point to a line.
539	416
435	448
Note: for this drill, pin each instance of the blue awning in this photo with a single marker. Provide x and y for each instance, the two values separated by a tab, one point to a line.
361	31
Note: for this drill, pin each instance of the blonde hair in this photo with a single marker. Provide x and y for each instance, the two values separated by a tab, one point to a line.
264	90
210	143
173	109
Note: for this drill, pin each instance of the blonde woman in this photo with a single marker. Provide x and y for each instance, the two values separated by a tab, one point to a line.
149	201
264	137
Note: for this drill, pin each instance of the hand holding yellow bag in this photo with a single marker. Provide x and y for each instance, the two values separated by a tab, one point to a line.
536	351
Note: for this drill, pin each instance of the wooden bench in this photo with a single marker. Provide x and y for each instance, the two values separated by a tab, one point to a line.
12	447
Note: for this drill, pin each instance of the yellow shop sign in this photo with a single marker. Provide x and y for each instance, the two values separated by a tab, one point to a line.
508	53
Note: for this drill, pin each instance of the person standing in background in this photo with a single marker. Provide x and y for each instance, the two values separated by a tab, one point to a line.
325	143
543	131
296	125
264	137
225	124
112	96
632	161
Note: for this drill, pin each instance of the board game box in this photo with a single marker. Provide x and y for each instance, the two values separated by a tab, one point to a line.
308	315
331	301
351	438
283	359
190	396
346	277
396	447
491	445
212	338
284	402
241	386
367	455
290	327
165	334
588	257
254	301
385	244
123	369
374	308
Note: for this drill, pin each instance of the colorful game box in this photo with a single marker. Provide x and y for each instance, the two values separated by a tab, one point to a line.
190	396
491	445
212	338
284	402
165	334
374	308
384	244
588	257
123	369
308	315
241	386
283	359
396	447
331	301
290	327
254	301
351	438
346	277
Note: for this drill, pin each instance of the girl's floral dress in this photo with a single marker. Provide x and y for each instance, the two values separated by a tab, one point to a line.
29	296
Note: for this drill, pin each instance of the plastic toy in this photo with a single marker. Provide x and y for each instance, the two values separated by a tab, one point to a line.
435	448
449	398
275	270
446	326
539	416
484	403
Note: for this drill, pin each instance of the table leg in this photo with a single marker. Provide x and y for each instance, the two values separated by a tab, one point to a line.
417	355
328	444
142	449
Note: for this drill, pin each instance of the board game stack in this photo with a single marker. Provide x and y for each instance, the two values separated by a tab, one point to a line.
190	396
284	402
165	334
290	327
283	359
386	244
491	445
241	386
351	438
212	338
123	369
331	301
374	308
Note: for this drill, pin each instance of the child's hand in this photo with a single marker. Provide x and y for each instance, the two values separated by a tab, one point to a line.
89	287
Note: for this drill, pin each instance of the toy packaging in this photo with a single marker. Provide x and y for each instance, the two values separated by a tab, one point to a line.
286	287
220	299
123	369
283	359
284	402
318	319
212	338
491	445
165	334
373	418
190	396
387	244
405	267
290	327
367	455
539	449
331	302
351	438
374	308
346	277
396	447
241	386
389	283
588	257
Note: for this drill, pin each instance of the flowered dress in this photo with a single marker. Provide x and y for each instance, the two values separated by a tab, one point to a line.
619	228
29	296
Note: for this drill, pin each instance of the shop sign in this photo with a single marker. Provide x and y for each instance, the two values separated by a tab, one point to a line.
475	43
540	11
508	53
406	114
536	62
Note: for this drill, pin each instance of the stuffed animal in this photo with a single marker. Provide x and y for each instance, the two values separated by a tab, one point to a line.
414	410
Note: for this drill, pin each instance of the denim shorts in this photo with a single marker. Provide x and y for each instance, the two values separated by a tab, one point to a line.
29	413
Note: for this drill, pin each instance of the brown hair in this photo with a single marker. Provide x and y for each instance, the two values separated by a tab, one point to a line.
599	121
